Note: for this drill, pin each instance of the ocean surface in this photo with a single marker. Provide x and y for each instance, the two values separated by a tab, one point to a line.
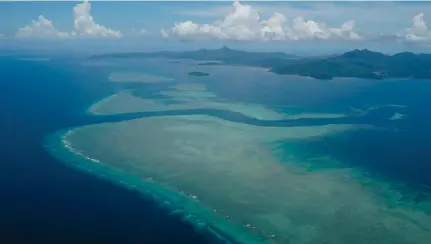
45	200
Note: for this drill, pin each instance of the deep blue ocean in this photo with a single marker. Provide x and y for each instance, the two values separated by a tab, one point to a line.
43	201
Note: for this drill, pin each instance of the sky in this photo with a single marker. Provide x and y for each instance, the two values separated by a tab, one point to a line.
282	25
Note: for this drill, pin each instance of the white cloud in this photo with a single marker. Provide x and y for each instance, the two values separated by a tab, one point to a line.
309	29
273	27
244	23
85	25
370	16
41	27
419	31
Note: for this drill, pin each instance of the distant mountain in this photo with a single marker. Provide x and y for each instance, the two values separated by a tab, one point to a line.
363	54
356	63
224	54
363	64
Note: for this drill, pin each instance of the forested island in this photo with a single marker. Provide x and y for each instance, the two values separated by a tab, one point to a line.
362	64
357	63
197	73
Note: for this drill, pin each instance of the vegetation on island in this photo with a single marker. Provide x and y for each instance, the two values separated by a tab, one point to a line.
224	55
197	73
362	64
356	63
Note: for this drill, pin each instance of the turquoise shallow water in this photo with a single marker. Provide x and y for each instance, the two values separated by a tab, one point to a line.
310	148
178	204
237	189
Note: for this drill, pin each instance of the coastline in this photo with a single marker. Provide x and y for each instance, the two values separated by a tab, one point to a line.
185	205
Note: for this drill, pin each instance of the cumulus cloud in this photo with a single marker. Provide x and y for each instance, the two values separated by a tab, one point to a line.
309	29
245	23
41	27
84	25
419	31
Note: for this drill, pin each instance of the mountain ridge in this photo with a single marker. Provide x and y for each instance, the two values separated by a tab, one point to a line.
356	63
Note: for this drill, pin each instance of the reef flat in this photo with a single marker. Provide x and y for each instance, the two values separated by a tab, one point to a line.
203	219
236	170
184	96
246	181
193	96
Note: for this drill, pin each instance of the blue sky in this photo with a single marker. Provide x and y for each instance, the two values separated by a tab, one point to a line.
269	25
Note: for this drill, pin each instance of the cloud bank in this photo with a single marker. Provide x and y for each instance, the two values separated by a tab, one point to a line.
239	22
84	25
245	23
